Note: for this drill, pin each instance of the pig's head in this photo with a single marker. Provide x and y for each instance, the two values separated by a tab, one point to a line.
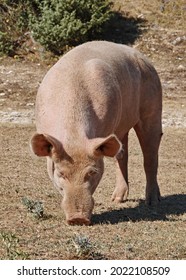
76	171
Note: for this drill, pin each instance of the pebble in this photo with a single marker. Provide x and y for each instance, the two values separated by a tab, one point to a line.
181	68
179	40
30	104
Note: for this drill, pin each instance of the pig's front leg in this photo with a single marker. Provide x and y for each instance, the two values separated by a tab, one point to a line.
121	191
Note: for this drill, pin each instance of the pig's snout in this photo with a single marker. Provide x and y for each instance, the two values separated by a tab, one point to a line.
78	207
78	220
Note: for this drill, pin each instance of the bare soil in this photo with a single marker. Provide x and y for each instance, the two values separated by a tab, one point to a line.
129	230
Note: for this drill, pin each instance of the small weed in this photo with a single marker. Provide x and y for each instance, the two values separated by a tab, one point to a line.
81	247
34	207
11	243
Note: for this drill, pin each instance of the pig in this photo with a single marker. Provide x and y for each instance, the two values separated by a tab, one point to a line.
85	107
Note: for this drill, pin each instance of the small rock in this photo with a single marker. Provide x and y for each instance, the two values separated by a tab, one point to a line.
179	40
141	16
181	68
9	72
30	104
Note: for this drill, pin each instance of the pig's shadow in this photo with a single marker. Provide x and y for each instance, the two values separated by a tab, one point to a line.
169	205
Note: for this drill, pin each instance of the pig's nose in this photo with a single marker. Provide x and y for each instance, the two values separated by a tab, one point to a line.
78	221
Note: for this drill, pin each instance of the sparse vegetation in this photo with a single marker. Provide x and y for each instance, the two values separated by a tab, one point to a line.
34	207
11	245
81	247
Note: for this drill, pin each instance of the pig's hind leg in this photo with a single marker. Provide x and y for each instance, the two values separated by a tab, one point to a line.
149	133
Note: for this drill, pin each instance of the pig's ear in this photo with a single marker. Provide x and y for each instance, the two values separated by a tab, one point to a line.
43	144
109	146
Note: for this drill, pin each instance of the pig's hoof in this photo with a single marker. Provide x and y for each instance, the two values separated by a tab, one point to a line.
121	197
153	200
117	199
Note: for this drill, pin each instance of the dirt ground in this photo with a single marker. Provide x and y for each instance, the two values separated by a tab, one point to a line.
126	231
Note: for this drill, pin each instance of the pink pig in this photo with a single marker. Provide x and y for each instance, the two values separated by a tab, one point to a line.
86	105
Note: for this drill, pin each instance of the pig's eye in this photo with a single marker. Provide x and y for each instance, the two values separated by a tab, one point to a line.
90	174
61	175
